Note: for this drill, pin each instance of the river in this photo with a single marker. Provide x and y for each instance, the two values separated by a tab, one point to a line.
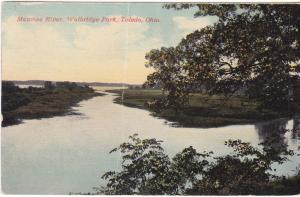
70	153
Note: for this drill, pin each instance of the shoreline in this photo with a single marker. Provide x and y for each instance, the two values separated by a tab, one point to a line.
197	115
47	104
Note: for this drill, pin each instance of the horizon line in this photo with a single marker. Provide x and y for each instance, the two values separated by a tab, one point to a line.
72	81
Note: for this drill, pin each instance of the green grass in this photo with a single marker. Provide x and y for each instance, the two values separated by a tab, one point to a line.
203	110
43	103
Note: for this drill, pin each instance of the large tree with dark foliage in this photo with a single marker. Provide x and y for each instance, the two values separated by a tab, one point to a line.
253	48
169	75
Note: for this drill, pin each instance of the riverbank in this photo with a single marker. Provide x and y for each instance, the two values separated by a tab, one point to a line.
105	125
203	110
35	103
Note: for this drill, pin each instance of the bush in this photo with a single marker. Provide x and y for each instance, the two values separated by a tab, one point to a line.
146	169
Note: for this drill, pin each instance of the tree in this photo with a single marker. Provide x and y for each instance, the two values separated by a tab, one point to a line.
169	75
12	97
48	85
253	48
146	169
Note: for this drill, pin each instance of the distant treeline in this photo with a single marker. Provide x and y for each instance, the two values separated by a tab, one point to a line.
40	102
42	82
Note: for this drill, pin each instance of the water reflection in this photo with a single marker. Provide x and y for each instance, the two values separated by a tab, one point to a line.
272	134
296	129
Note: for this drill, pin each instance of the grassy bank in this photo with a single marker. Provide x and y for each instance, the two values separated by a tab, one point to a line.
202	110
34	103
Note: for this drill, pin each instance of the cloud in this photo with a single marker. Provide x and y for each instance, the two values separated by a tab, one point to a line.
188	25
111	52
113	40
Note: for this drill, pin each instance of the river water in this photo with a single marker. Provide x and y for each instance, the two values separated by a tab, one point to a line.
70	153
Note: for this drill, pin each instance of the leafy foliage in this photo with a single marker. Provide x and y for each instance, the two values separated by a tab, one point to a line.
144	166
146	169
234	54
169	75
12	97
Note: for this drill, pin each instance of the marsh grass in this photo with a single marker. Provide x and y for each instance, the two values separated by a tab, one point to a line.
202	110
42	103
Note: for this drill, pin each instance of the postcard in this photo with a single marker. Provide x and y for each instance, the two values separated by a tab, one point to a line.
136	98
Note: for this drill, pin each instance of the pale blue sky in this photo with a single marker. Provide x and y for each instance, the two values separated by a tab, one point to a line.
173	26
